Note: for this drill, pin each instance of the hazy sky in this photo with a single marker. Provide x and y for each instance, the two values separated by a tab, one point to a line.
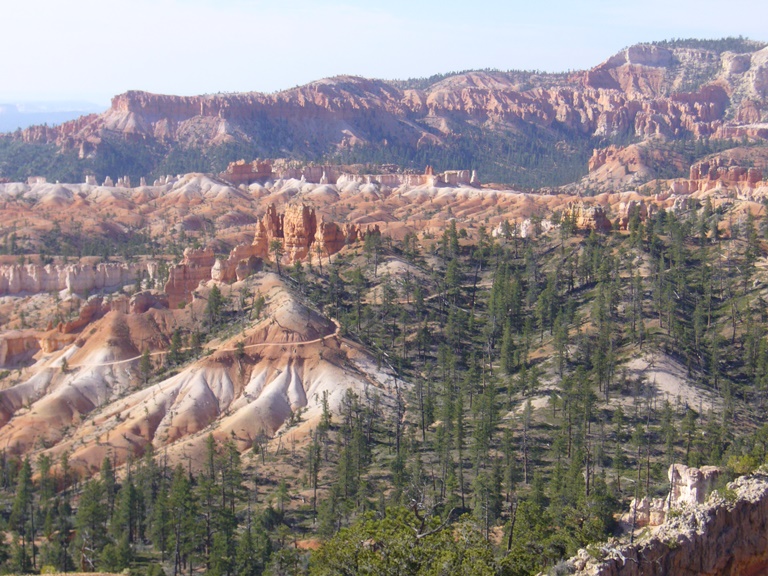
94	49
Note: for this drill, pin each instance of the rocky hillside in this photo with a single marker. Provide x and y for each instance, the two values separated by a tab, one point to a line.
515	127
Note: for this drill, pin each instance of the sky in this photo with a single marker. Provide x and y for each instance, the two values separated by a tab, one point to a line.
91	50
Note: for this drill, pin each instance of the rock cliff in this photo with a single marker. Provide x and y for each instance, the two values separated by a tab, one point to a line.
76	278
727	535
643	91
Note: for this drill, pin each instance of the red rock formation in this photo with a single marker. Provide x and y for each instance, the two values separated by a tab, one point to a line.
329	238
17	346
241	172
54	340
268	228
301	234
632	93
299	228
143	301
185	277
721	172
242	261
90	311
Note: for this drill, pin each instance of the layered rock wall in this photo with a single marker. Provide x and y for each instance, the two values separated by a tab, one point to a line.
725	172
77	278
638	92
241	172
718	173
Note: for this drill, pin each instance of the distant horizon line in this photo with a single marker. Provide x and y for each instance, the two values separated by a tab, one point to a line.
103	105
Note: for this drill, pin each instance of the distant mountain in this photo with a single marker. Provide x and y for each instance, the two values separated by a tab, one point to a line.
20	115
517	127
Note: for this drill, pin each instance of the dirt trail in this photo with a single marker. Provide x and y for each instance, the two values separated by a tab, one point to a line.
334	334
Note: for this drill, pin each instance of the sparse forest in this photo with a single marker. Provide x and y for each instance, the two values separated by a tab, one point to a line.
519	429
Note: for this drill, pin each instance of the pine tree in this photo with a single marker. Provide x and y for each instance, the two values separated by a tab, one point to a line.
22	520
215	306
182	515
91	525
145	366
253	550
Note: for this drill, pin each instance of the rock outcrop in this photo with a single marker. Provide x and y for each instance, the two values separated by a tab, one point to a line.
718	172
202	265
185	277
639	208
587	216
302	234
299	229
76	278
17	346
728	173
241	263
143	301
721	537
689	487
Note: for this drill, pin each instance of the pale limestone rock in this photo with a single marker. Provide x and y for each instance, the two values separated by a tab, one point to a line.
76	278
690	486
587	217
